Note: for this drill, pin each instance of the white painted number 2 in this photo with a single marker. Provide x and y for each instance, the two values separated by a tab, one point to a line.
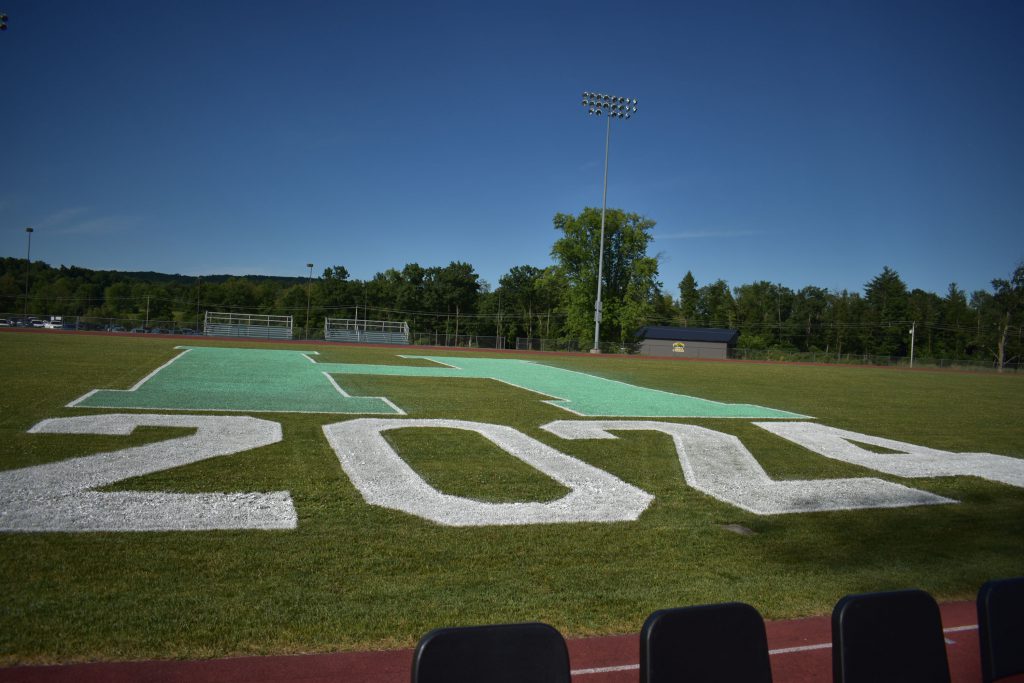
62	496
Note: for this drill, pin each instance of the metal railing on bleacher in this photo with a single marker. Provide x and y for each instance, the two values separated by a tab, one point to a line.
366	331
247	325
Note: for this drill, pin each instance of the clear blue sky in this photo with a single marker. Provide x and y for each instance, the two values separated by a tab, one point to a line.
803	143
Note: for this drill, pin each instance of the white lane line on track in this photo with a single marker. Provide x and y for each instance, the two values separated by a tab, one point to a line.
604	669
778	651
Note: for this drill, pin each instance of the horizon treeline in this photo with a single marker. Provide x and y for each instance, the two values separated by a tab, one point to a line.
536	303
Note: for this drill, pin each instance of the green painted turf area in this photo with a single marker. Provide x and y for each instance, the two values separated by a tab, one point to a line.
352	576
261	380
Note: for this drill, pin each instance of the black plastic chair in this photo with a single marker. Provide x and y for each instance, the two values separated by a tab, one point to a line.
894	636
1001	628
505	653
722	643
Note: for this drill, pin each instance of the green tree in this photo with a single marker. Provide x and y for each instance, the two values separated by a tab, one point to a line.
629	276
924	310
843	317
334	289
517	299
807	317
688	300
762	308
716	306
955	323
886	314
551	287
1001	312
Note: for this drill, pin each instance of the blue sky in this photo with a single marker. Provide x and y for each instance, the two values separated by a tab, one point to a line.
806	143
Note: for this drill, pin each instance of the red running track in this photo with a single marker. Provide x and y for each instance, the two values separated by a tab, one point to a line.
801	652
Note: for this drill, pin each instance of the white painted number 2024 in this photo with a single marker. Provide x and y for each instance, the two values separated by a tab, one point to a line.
61	496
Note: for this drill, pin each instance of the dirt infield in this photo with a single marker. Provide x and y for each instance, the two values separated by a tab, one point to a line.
800	653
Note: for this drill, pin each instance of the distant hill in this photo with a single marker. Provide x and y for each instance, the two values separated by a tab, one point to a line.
16	265
167	278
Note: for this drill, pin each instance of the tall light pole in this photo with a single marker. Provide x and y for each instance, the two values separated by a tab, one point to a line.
617	108
913	329
28	267
309	284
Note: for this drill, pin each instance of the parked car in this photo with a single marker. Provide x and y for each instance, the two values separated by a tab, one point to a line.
4	322
116	328
139	330
186	330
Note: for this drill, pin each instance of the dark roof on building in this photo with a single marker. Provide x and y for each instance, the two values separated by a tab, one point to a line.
689	334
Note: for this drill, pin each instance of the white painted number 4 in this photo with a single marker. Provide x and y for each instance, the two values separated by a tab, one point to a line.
62	496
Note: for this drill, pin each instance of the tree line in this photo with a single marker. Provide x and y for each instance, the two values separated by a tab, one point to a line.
557	302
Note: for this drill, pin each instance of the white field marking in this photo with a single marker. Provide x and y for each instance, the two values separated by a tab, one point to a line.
384	479
186	349
138	384
719	465
908	461
555	400
777	651
62	495
432	360
552	399
670	393
383	399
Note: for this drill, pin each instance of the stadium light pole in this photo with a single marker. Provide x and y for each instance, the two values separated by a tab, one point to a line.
617	108
309	284
28	267
913	329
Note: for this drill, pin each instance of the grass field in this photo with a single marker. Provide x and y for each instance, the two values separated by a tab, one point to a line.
356	576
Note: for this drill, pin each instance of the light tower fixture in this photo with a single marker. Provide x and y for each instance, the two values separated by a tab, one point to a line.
616	107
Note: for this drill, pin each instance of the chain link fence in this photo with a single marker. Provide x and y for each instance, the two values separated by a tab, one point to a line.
866	359
471	341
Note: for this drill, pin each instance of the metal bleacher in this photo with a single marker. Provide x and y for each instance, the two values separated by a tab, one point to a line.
247	325
366	331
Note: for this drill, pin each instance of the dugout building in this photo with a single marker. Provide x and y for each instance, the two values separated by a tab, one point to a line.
686	342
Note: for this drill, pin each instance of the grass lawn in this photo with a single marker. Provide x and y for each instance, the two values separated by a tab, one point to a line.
355	576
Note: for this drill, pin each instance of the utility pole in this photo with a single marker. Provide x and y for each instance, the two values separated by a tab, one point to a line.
309	284
28	266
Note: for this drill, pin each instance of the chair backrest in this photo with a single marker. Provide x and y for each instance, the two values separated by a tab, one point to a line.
1001	628
505	653
893	636
724	642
